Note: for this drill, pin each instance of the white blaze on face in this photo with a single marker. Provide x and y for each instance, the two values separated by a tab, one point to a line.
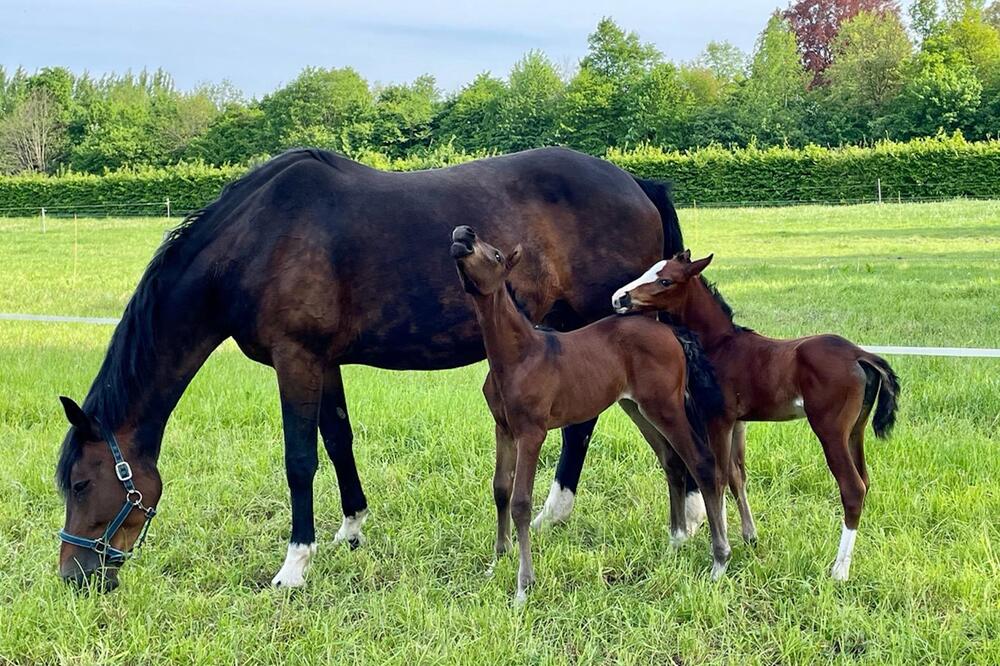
842	565
292	573
645	278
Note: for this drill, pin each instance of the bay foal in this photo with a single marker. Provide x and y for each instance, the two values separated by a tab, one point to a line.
541	379
825	378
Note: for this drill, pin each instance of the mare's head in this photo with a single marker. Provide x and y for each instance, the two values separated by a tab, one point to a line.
483	268
662	288
98	490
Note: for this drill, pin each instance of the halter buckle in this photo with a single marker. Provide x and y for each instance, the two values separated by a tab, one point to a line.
123	471
100	547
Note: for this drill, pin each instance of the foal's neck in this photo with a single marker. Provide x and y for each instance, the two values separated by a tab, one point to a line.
705	316
507	333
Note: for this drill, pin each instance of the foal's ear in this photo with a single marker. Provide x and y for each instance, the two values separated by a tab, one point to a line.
514	257
698	266
683	257
85	426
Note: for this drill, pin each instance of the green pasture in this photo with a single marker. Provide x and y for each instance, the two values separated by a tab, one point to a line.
925	584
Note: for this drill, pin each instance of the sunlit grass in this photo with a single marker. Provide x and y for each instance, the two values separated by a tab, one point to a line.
926	576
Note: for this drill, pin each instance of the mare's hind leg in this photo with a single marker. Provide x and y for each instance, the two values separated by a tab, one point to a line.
738	481
559	504
667	414
335	427
300	384
832	418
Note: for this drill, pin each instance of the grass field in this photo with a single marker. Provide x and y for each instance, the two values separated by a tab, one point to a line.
925	582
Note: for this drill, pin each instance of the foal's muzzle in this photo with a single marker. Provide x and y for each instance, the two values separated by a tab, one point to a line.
461	241
622	303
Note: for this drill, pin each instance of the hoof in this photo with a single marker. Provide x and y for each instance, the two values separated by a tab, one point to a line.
841	570
293	571
350	530
719	570
678	538
557	508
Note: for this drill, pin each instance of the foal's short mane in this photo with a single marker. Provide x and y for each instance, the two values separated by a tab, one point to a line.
717	295
131	356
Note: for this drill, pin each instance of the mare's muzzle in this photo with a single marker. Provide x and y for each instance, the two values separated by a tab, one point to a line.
462	239
85	569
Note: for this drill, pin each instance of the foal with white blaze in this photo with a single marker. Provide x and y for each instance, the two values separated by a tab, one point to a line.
540	380
824	378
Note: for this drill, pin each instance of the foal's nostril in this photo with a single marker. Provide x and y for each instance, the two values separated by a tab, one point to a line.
622	302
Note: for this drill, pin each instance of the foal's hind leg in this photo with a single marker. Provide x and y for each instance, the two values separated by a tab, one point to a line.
529	444
673	468
335	427
667	414
738	480
503	485
832	420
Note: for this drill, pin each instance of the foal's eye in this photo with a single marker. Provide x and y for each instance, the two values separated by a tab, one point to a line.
666	283
498	257
80	486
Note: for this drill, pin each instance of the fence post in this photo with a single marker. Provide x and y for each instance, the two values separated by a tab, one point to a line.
878	182
168	206
43	220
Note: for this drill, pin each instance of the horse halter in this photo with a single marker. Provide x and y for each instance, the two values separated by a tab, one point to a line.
133	500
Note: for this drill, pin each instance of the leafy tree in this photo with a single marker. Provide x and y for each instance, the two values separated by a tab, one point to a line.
470	118
327	108
235	136
617	54
773	100
816	23
527	109
941	95
31	134
924	17
403	115
727	62
870	54
588	118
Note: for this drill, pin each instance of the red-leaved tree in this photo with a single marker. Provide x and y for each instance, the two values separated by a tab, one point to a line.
816	23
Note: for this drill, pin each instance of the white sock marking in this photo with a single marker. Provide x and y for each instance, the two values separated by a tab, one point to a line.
694	512
292	573
558	505
350	529
842	565
645	278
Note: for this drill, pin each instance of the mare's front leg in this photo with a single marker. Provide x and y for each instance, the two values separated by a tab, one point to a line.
529	444
335	427
559	504
300	384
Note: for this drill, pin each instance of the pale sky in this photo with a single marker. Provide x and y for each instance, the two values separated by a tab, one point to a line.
258	45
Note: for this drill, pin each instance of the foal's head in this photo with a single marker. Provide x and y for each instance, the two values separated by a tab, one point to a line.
95	491
663	287
483	268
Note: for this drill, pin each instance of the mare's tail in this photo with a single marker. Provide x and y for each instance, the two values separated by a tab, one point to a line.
888	393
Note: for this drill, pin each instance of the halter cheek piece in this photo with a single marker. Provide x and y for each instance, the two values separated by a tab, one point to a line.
133	500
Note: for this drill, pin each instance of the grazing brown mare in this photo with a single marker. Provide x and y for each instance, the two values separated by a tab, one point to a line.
311	262
825	378
541	379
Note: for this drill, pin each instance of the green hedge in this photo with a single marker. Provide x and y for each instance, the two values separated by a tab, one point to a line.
941	167
923	169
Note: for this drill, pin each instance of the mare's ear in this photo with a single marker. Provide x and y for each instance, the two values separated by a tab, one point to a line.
85	426
698	266
683	257
514	257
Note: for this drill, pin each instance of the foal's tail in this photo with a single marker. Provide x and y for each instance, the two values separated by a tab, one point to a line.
885	410
702	396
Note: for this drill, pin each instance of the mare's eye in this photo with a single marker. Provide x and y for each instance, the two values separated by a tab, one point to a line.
498	257
666	283
80	486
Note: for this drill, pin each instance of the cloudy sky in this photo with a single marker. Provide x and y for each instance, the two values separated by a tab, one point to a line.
258	44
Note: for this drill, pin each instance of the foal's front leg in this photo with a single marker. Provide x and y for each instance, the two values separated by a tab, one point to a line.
503	484
300	383
529	444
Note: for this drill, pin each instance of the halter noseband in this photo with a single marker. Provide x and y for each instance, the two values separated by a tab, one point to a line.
133	500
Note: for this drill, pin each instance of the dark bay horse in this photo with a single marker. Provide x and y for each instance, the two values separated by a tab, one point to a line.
313	261
543	379
824	378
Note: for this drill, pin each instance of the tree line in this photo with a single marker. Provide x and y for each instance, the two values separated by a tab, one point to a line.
826	72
